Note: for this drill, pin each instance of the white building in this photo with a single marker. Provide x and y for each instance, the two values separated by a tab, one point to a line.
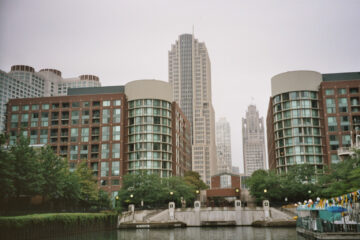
190	77
23	82
253	141
223	146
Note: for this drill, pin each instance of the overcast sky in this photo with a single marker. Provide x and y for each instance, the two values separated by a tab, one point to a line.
248	42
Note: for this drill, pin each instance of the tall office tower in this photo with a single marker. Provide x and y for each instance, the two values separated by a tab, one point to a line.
190	77
223	146
253	141
23	82
312	118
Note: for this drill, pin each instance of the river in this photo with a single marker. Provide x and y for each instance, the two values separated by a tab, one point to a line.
192	233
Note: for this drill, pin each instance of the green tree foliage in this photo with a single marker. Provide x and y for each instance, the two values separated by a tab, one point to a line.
341	178
295	185
27	176
28	172
193	179
88	187
7	171
54	170
153	190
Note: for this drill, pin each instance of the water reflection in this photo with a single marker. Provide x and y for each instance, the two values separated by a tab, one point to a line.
192	233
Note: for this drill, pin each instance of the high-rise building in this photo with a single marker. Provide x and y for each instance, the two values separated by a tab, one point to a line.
23	82
117	129
190	77
254	155
223	146
312	118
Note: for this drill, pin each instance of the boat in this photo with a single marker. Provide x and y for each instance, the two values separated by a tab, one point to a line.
335	218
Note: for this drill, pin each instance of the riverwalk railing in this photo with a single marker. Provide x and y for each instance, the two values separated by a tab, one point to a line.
322	226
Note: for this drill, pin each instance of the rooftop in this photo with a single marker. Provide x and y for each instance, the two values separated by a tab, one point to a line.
347	76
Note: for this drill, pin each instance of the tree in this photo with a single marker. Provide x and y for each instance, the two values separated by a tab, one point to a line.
88	188
27	176
7	171
148	188
53	170
180	189
193	179
341	178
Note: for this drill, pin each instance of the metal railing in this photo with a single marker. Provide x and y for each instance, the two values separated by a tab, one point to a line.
321	225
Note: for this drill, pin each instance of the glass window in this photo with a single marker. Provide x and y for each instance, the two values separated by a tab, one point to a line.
104	151
117	102
35	107
25	108
85	134
341	91
346	140
86	104
225	181
329	91
116	150
104	169
15	108
117	115
45	107
106	103
75	104
105	134
116	133
115	168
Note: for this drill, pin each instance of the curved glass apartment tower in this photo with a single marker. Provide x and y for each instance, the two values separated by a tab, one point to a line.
294	131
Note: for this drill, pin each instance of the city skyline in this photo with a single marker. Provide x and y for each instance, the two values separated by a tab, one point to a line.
248	42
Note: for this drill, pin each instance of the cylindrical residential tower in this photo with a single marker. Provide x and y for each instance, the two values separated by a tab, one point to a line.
294	131
149	127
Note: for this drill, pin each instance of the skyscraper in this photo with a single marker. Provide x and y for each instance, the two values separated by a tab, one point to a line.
23	82
190	77
253	141
223	146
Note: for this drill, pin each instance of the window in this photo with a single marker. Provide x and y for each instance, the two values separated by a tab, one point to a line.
75	115
45	107
104	169
225	181
74	152
329	91
346	140
343	104
25	108
116	150
106	103
86	104
35	107
354	90
74	132
341	91
115	168
85	134
330	105
116	133
104	151
105	134
116	115
96	103
117	102
15	108
75	104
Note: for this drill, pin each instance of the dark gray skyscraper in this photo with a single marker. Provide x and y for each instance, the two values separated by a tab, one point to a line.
190	77
253	141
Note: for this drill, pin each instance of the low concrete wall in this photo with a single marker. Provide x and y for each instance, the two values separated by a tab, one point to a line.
202	216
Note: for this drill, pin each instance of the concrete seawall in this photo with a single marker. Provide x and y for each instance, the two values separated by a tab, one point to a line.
197	216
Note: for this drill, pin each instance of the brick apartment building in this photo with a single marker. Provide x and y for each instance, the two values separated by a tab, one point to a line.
312	118
117	129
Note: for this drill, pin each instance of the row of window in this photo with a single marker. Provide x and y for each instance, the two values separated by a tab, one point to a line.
149	102
105	103
295	95
341	91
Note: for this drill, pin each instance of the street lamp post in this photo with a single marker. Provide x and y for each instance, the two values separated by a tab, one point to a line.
197	194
